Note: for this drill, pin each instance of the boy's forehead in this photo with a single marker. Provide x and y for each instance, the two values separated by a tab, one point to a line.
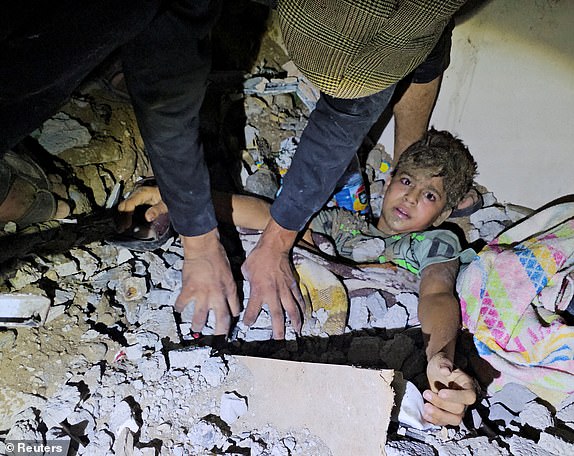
420	173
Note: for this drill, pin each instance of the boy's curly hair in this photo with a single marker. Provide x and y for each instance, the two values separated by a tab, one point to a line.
440	154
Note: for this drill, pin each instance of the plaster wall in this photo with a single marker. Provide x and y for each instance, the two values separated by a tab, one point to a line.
509	94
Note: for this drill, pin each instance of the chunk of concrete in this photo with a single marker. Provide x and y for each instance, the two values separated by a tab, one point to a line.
322	398
232	407
19	309
514	397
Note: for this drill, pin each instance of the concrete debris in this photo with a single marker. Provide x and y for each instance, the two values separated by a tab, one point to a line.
19	309
262	182
122	418
61	133
537	416
556	445
499	412
61	405
232	407
396	317
205	435
565	411
520	446
104	364
514	397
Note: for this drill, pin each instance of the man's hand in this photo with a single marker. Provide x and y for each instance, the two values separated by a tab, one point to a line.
207	282
452	391
270	274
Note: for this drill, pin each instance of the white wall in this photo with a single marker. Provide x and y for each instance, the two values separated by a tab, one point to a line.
509	94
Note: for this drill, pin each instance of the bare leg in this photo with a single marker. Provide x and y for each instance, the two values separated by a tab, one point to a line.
412	114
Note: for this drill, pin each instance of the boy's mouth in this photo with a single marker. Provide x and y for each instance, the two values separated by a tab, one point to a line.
401	212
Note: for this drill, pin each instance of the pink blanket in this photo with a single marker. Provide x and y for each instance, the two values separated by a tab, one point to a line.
510	297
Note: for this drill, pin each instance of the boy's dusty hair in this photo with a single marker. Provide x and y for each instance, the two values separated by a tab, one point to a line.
440	154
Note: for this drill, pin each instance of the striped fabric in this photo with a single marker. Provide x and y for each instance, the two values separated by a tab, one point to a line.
354	48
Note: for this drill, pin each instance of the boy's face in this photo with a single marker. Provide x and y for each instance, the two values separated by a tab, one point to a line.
413	201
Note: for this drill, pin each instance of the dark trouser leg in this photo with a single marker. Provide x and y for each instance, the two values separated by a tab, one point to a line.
48	48
333	135
166	69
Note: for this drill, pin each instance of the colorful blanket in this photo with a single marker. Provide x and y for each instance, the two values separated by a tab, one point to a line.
510	294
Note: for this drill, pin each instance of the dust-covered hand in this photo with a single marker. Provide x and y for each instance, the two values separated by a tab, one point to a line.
269	271
452	391
207	281
143	195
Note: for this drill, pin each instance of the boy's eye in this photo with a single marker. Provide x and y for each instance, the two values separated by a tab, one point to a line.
405	181
431	196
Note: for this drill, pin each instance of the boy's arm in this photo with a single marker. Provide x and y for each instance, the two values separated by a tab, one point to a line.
451	390
241	210
246	212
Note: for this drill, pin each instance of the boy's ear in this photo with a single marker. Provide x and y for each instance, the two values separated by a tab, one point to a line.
442	217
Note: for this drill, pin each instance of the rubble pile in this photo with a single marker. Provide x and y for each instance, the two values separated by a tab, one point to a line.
113	370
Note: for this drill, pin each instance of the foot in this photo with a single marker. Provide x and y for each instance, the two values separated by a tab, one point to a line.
19	200
28	198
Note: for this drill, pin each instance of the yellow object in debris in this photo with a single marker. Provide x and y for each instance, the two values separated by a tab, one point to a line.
322	289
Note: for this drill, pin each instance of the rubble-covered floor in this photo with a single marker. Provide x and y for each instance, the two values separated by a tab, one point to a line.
111	370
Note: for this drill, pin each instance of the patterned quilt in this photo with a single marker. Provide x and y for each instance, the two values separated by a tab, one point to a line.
511	296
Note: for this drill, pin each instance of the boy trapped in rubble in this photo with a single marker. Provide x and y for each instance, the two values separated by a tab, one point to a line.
430	179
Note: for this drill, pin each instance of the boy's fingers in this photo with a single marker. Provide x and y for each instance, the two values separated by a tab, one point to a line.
155	211
139	197
440	417
461	396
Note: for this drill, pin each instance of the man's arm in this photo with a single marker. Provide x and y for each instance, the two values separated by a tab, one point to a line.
451	390
207	281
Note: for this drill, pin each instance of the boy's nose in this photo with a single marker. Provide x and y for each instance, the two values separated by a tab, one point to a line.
411	196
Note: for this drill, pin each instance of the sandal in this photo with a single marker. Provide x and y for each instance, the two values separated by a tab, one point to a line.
469	210
19	171
142	235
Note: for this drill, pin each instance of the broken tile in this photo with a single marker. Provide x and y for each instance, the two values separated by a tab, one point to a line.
536	415
555	444
61	133
408	448
232	406
513	396
520	446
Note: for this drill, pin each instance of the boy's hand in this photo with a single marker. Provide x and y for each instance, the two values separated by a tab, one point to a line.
142	195
452	391
270	274
207	282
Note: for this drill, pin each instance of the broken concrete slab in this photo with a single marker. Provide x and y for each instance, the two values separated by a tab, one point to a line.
322	398
19	309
